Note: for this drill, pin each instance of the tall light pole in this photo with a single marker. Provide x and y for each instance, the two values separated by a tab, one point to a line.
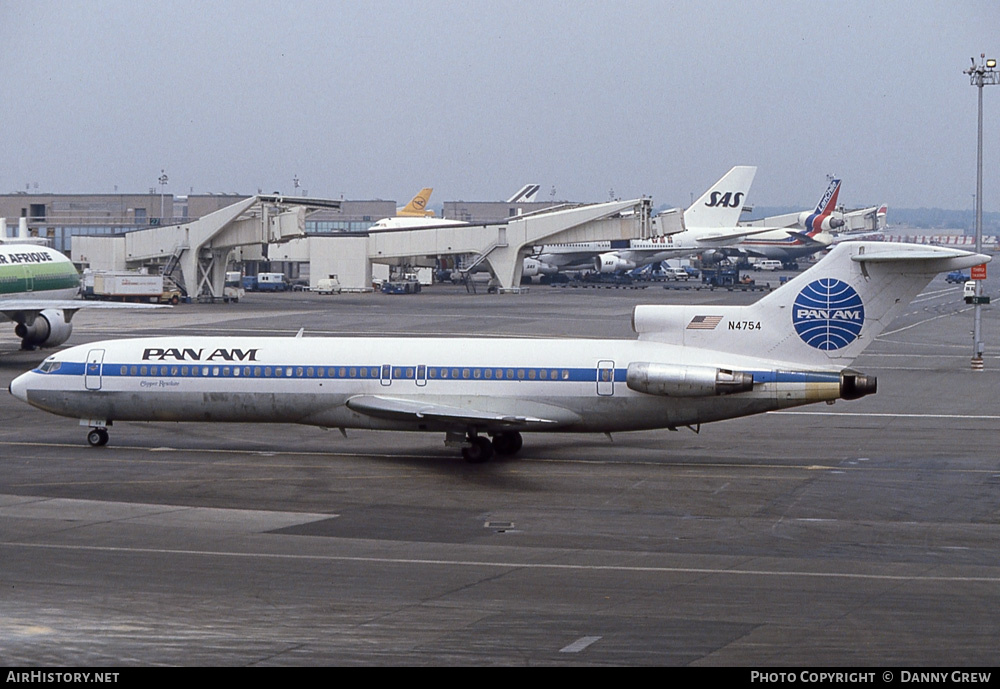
980	75
163	183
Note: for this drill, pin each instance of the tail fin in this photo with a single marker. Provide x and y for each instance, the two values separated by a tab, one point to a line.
880	217
418	204
823	318
821	219
828	202
721	205
525	194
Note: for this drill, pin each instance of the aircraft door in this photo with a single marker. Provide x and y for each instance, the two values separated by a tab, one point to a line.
605	378
92	374
385	376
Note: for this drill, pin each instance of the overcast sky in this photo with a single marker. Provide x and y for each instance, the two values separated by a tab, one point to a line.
377	99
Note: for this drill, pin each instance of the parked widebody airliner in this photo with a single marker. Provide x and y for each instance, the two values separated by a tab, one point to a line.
690	365
787	245
37	290
709	223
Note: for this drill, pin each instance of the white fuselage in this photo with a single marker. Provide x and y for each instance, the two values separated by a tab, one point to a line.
637	252
34	272
558	385
783	246
680	245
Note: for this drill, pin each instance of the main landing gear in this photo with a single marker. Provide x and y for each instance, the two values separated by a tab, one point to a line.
98	437
480	449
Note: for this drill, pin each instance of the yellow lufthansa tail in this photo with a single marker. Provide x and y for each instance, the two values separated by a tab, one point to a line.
417	207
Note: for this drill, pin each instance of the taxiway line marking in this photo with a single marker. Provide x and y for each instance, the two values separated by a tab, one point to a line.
580	644
513	565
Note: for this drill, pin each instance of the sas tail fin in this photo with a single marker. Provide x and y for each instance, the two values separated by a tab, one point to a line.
720	207
417	207
823	318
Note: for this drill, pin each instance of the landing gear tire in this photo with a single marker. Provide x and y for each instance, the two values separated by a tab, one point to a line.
507	443
480	450
98	437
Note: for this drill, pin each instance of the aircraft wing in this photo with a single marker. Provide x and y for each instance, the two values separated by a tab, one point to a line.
730	236
413	409
16	306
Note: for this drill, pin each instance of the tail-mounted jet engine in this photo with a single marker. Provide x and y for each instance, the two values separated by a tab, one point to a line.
853	385
686	381
828	223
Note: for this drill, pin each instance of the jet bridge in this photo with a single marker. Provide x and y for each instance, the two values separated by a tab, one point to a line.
264	226
200	248
504	246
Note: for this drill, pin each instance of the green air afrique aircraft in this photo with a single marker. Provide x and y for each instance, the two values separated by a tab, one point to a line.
38	286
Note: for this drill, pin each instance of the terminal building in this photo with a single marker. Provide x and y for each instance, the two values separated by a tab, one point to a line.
60	217
207	235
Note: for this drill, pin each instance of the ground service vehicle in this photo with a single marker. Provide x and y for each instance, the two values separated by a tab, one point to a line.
134	287
328	285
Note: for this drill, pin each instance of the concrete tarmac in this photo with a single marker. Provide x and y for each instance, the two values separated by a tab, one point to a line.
859	534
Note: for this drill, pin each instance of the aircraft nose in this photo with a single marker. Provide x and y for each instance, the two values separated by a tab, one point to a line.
19	387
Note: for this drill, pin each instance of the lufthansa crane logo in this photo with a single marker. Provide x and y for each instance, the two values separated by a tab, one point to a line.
828	314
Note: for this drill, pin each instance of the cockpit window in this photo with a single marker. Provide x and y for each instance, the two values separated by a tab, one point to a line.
49	366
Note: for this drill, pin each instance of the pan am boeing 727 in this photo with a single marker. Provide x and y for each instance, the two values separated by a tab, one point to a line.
690	365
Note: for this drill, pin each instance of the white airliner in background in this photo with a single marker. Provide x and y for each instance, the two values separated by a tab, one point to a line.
413	220
37	290
690	365
709	223
413	215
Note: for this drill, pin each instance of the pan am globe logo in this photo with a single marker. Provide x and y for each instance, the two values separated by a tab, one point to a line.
828	314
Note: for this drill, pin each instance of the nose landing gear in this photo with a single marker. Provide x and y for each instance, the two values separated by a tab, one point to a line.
98	437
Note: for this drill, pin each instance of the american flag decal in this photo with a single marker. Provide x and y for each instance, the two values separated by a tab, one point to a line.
704	322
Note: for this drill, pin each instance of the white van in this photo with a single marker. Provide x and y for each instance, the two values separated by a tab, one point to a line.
768	264
330	285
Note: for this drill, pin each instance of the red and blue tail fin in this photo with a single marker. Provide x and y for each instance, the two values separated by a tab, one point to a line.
821	219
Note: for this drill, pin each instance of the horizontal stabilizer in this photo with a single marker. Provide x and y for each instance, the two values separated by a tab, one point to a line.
803	236
922	255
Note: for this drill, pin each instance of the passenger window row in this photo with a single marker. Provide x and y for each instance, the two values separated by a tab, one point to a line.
351	372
